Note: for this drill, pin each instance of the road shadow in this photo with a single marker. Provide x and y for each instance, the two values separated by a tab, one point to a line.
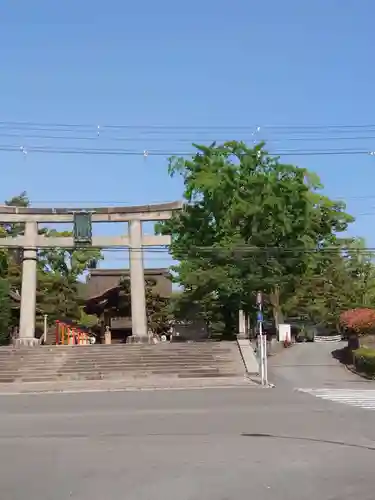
312	440
345	354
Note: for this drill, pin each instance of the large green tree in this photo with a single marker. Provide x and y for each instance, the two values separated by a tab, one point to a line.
250	223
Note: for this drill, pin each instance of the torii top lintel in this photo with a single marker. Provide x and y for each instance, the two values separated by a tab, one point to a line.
154	212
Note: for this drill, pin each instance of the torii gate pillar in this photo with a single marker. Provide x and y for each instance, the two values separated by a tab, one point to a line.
137	284
28	290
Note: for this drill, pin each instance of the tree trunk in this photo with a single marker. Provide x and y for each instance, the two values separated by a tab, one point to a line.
276	308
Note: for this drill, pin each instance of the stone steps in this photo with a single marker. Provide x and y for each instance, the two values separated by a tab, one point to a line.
121	362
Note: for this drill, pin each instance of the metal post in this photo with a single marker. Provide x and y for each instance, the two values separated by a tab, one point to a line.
265	361
45	329
261	342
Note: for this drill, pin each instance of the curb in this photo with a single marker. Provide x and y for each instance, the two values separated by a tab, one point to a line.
362	375
255	379
240	383
134	389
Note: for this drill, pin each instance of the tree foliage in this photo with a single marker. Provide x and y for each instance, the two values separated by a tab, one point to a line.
157	307
250	223
58	278
339	278
5	311
87	320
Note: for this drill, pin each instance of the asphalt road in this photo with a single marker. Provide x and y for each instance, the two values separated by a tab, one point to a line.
207	444
191	444
312	365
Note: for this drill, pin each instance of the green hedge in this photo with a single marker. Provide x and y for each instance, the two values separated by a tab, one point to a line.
364	360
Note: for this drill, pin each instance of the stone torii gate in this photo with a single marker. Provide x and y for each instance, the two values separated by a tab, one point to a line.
31	241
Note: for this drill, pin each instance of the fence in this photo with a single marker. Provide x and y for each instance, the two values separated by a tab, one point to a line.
328	338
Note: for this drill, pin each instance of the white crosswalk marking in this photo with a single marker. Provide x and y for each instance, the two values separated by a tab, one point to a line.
354	397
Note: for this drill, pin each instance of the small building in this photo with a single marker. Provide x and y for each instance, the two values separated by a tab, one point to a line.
105	297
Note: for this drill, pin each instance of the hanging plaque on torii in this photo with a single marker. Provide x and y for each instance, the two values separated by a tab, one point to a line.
82	232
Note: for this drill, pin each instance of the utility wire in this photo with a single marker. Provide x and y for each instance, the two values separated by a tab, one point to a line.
130	203
124	152
75	126
240	250
168	138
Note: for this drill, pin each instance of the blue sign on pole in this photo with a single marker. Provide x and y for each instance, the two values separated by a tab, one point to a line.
260	316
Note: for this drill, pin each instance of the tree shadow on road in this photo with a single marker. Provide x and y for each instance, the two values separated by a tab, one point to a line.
312	440
343	355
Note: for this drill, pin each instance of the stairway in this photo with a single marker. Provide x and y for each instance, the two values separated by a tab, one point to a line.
122	362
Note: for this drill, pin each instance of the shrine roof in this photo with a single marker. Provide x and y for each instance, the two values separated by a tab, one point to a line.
102	281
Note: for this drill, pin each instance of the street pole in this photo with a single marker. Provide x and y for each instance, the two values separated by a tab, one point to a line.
262	342
45	329
265	360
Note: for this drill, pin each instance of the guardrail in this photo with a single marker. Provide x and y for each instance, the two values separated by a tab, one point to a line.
328	338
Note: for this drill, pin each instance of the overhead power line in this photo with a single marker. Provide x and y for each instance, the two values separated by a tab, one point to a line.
252	127
118	202
125	152
240	250
165	138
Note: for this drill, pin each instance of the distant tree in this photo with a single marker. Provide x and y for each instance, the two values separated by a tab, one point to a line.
340	277
58	274
58	269
157	307
87	320
5	311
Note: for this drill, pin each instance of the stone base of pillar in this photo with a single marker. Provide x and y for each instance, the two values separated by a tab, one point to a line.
139	339
26	342
241	336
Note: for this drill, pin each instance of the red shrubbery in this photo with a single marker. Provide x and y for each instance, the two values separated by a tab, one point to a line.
360	321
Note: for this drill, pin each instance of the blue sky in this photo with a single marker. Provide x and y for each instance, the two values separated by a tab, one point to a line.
237	63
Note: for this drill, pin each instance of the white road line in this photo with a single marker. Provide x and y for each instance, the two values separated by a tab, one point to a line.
354	397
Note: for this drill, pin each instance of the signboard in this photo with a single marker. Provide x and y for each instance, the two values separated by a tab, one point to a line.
285	333
82	228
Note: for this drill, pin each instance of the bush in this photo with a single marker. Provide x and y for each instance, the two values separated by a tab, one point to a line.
364	360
